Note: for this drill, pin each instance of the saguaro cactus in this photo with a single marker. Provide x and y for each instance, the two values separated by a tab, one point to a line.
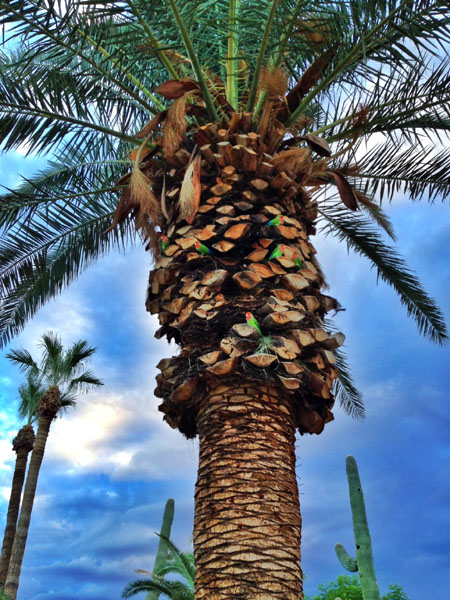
162	554
364	559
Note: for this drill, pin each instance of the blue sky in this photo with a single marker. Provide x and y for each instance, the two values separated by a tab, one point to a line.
111	463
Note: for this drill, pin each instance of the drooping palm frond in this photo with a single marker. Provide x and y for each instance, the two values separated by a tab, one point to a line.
174	590
64	235
347	394
416	171
23	359
360	236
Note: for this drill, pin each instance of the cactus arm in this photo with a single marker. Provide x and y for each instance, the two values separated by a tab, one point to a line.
347	561
364	555
162	553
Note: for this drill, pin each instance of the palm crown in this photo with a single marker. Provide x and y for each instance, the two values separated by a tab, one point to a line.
58	367
90	75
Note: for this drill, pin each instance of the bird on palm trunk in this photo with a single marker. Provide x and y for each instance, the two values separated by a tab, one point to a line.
58	377
243	142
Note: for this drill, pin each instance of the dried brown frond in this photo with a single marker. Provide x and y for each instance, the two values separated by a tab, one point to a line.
176	57
359	119
142	196
124	207
302	122
295	161
151	125
174	126
274	82
191	190
148	234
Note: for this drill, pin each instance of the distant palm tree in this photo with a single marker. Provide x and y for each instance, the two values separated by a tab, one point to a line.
227	133
30	397
178	563
62	374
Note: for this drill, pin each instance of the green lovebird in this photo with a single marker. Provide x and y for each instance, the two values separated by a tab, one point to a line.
278	251
164	242
278	220
202	249
252	322
297	260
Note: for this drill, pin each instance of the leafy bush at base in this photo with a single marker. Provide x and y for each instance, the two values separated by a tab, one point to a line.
349	588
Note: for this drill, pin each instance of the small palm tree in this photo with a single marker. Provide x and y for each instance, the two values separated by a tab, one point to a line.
62	375
178	563
30	395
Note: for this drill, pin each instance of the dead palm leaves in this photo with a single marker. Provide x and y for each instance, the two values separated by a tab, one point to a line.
191	190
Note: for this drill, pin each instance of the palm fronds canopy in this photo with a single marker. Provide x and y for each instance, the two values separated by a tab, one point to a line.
362	87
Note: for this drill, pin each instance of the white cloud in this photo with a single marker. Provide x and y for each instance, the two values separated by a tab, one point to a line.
68	316
107	433
5	493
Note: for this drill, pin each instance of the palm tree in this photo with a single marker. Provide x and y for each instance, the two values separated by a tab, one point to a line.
62	374
30	396
179	563
224	134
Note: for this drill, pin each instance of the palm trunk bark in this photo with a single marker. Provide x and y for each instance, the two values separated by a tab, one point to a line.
247	524
22	445
237	285
50	405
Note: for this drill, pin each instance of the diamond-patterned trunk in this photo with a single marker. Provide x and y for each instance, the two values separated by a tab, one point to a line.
22	446
242	256
247	521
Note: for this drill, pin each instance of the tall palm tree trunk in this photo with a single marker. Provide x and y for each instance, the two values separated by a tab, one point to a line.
22	446
247	516
49	406
238	286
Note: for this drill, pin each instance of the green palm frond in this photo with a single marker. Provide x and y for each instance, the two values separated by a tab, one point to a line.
360	236
65	233
30	394
83	381
375	38
77	354
179	562
174	590
416	171
23	359
347	394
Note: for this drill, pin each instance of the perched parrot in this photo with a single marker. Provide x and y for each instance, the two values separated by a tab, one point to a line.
202	249
252	322
278	251
278	220
297	260
164	242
